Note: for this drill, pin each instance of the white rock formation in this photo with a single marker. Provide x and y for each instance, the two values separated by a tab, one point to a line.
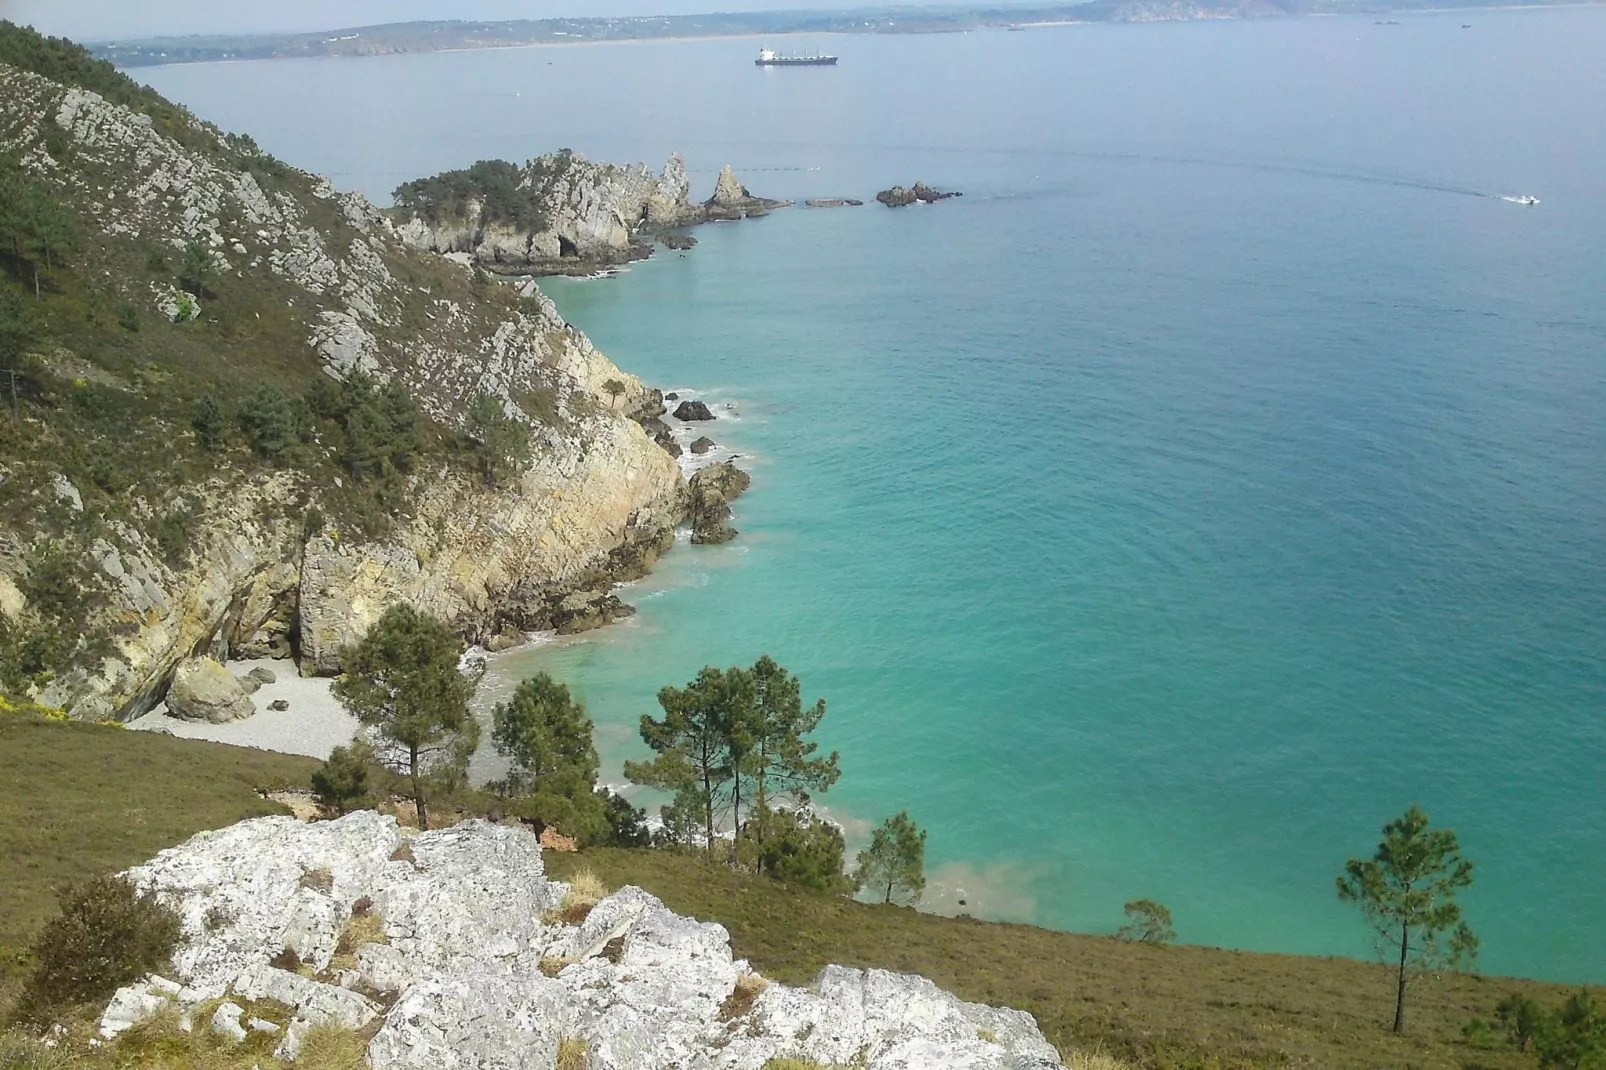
474	976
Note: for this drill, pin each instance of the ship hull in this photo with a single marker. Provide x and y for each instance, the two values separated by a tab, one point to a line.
818	61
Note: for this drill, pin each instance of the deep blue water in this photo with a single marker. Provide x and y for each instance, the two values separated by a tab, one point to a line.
1224	472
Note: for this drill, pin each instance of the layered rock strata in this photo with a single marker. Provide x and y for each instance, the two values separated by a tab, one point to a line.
470	963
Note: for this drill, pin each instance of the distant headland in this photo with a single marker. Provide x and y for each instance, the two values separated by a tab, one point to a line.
403	37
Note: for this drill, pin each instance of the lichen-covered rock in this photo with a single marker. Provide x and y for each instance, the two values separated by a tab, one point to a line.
482	979
204	690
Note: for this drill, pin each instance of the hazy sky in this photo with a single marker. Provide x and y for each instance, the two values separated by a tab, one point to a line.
92	20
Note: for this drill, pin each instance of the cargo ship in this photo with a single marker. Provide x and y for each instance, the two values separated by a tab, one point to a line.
768	57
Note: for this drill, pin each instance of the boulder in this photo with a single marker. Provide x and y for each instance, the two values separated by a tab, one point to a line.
249	684
263	675
204	690
279	705
710	493
692	410
677	241
671	396
703	445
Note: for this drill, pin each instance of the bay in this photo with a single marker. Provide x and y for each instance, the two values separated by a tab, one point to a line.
1224	472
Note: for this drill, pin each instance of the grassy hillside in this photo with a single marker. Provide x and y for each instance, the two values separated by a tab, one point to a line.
79	799
1168	1008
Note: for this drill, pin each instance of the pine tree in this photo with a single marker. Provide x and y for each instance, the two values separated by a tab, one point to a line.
1148	922
1407	891
403	677
696	757
780	761
893	867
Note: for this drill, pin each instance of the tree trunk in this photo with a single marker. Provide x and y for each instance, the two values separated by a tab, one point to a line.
36	282
418	790
1399	988
708	810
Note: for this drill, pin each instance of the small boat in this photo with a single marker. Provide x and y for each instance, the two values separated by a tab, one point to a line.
1525	199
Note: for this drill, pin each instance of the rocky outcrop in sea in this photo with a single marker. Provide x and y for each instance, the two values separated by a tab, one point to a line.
464	955
919	193
593	215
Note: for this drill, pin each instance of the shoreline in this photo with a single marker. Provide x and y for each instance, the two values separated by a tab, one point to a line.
979	27
316	722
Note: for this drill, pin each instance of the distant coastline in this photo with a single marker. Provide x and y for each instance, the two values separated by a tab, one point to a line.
402	38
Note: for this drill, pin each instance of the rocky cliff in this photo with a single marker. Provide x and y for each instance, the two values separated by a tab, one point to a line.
135	532
561	213
455	951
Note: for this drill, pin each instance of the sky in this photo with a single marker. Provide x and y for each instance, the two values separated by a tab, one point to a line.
100	20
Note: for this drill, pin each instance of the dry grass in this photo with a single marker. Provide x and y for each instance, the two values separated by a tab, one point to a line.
1172	1008
573	1054
1081	1060
366	927
79	799
554	965
742	997
160	1044
585	891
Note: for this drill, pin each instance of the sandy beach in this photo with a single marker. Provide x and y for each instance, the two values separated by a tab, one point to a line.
314	725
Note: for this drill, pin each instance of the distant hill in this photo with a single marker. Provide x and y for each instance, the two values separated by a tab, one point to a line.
401	37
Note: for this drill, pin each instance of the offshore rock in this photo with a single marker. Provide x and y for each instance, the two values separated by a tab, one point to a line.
900	197
711	491
467	954
692	410
731	199
204	690
702	445
677	241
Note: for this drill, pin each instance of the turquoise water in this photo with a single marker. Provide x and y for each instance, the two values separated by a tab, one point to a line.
1226	471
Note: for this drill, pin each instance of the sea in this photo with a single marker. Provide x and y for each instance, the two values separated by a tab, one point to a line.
1224	472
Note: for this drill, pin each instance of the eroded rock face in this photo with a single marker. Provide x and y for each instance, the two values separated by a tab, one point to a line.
480	978
204	690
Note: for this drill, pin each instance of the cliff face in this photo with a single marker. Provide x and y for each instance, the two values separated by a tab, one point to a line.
305	282
478	964
589	215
